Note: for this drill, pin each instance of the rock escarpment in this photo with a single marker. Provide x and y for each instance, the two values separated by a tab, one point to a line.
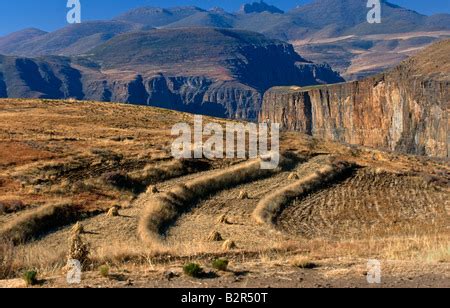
216	72
404	109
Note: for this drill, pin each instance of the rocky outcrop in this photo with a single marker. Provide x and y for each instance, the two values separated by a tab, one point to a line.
259	7
215	72
29	78
405	109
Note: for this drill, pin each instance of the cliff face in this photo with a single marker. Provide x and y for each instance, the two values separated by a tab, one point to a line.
405	109
58	78
198	95
215	72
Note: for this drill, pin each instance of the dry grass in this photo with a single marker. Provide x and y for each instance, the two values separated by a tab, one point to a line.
76	144
113	212
46	262
78	228
6	258
164	209
302	262
426	249
168	170
367	204
11	206
270	206
37	222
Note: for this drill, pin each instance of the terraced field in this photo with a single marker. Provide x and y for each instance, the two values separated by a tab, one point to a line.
368	203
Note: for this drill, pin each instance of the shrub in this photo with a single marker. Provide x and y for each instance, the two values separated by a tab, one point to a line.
243	195
113	212
78	250
104	270
229	245
152	189
215	237
30	277
303	262
78	228
293	176
220	264
193	270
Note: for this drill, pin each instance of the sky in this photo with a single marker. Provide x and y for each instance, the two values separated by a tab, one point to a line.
50	15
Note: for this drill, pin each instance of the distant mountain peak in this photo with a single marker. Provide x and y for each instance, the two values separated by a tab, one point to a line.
194	8
217	9
157	17
259	7
28	31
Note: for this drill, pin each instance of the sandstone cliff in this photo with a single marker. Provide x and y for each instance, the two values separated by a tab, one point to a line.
404	109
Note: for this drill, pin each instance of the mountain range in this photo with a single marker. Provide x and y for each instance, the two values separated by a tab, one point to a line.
324	31
211	61
220	72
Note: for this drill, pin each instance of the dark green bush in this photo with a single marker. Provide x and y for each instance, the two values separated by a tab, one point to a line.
220	264
193	270
30	277
104	270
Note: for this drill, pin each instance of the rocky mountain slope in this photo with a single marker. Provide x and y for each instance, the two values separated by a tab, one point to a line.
336	32
71	40
259	7
208	71
404	109
331	31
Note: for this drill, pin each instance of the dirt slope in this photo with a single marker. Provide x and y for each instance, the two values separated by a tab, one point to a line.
393	207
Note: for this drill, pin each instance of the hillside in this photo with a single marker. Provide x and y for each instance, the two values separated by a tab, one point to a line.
157	17
432	63
209	71
324	31
63	162
71	40
404	109
213	19
200	52
9	43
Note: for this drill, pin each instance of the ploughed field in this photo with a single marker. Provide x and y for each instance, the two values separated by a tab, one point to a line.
367	203
335	205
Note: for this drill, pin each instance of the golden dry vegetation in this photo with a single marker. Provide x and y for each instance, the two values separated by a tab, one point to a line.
104	172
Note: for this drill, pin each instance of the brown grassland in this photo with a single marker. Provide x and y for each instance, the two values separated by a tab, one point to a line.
313	222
